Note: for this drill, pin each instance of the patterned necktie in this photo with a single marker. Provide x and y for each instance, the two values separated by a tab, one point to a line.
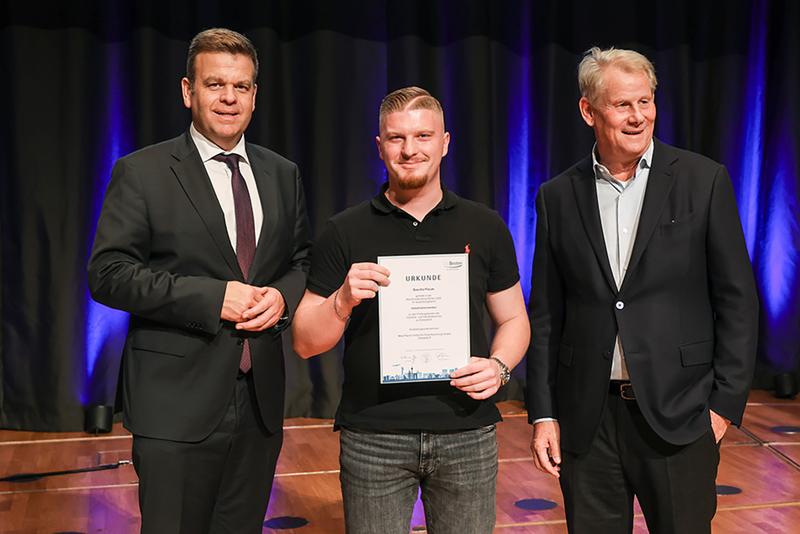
245	231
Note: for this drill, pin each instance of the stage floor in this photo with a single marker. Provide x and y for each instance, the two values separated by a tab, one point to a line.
758	482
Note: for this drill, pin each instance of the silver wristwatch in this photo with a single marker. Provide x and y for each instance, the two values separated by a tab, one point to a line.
505	372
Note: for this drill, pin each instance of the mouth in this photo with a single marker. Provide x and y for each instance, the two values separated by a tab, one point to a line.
411	163
226	114
633	130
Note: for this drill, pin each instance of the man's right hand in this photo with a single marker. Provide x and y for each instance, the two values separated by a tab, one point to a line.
546	447
238	298
362	282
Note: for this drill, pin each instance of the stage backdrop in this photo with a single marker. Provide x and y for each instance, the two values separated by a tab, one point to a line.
85	83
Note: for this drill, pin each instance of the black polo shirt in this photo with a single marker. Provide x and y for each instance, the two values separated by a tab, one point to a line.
378	228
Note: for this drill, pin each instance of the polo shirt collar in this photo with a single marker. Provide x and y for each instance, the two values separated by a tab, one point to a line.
382	204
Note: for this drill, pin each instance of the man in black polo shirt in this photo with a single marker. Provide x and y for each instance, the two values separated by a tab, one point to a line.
437	436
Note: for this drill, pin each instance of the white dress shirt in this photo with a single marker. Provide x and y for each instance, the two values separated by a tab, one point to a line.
220	175
620	206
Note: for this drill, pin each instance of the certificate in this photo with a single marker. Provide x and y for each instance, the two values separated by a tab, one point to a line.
423	317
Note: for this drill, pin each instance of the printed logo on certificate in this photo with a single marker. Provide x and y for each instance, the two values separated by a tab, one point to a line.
423	317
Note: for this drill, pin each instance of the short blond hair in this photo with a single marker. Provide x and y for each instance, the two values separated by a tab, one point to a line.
596	60
408	98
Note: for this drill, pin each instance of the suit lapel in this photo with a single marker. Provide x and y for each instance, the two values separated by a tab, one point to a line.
269	195
659	185
191	173
586	198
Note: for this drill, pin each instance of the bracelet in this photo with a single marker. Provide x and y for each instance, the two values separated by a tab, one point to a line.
335	296
505	372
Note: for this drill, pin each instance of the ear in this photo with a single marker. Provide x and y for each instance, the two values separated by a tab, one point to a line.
446	143
255	90
378	146
186	92
587	112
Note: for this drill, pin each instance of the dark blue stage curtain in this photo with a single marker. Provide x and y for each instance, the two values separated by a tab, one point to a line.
85	83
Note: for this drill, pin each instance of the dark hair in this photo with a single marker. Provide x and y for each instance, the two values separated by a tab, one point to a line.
220	40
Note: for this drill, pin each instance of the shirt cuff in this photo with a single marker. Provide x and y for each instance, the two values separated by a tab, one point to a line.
543	419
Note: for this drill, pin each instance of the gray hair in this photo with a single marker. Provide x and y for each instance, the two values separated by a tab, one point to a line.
596	60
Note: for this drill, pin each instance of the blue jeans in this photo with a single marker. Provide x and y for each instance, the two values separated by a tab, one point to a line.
381	475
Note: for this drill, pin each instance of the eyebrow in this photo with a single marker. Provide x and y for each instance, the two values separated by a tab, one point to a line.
413	132
217	79
631	99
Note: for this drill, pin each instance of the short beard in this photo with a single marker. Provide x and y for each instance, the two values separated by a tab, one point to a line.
412	182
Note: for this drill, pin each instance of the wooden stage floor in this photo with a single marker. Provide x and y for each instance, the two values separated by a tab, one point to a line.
759	474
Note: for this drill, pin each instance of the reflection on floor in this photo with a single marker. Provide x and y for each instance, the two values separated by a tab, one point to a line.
758	482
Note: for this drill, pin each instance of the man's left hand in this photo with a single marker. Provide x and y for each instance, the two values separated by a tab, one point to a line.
480	378
719	425
265	313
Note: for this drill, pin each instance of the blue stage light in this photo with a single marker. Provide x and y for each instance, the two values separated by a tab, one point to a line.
765	180
525	152
105	327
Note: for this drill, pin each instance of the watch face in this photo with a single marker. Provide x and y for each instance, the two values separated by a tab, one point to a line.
505	372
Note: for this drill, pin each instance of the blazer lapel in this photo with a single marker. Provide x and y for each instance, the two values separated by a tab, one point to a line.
191	173
659	185
269	195
586	198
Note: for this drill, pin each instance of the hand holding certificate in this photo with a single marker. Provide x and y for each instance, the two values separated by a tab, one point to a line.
424	317
362	282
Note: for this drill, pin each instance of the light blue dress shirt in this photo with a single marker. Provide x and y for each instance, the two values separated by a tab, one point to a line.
620	206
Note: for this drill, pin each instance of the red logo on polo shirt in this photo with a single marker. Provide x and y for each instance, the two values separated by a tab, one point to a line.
466	249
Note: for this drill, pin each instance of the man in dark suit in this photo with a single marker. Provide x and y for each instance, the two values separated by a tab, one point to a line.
643	314
203	239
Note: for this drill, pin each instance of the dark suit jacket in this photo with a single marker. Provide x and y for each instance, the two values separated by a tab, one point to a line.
686	313
162	253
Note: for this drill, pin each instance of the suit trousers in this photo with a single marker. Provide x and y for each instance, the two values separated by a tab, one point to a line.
675	484
218	485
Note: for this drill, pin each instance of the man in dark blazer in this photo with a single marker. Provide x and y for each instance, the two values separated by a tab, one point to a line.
203	239
643	316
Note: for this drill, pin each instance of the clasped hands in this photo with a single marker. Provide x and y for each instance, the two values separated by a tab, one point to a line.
252	308
480	378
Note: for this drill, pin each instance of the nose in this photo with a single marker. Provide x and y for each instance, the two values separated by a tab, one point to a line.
228	94
409	147
636	116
